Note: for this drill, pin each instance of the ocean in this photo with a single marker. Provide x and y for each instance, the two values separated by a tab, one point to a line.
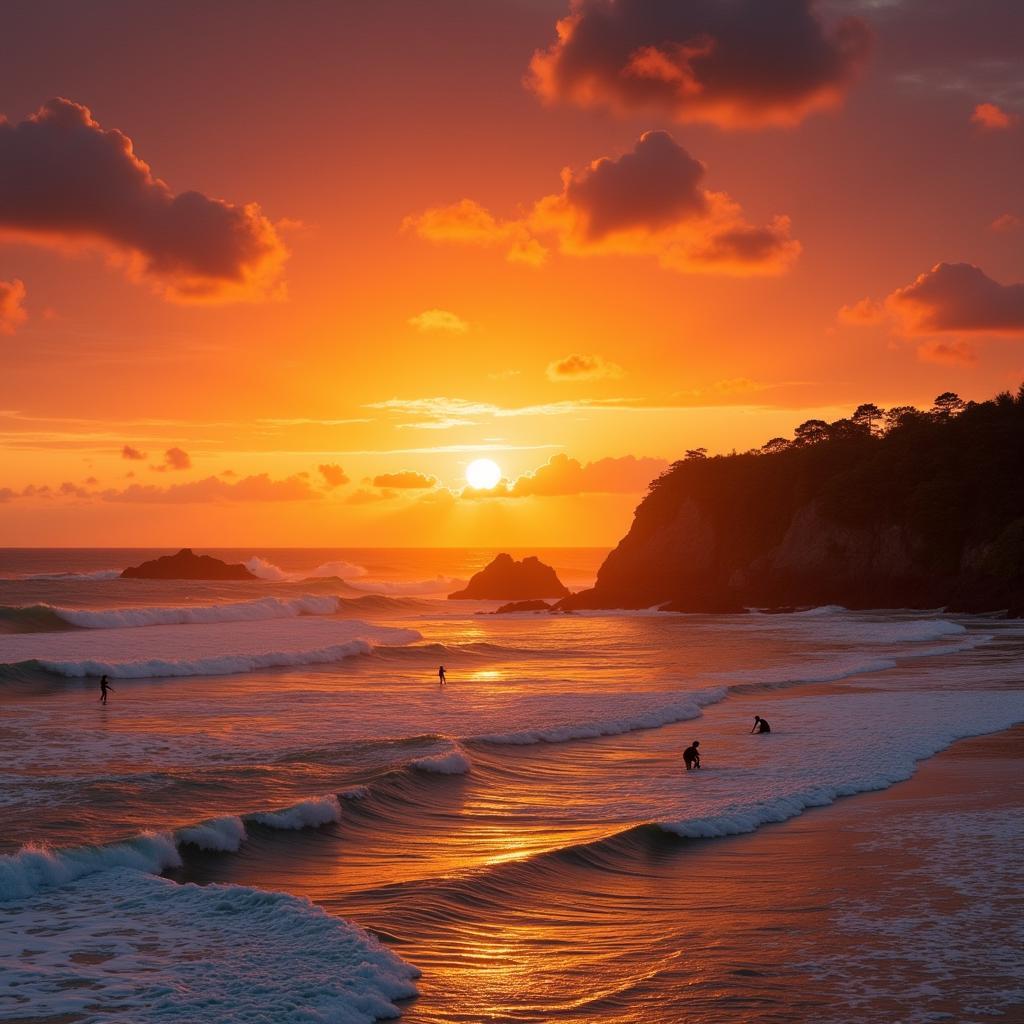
281	816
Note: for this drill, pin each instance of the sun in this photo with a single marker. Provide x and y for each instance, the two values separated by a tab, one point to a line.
483	474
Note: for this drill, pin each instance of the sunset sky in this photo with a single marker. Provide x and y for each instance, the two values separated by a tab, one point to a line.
277	272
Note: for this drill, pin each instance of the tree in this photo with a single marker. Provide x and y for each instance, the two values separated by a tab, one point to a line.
847	428
867	415
811	432
900	415
775	445
947	405
697	453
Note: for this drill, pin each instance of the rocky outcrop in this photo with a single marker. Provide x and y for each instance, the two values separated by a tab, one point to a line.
929	515
186	565
522	606
505	579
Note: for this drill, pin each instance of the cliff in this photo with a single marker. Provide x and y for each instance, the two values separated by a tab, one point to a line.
927	513
505	579
187	566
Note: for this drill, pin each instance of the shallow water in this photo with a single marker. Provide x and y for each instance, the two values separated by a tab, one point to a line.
519	834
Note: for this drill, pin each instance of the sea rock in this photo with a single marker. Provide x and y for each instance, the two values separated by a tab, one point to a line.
505	579
186	565
523	606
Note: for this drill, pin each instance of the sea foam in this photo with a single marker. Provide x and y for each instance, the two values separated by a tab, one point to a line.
129	946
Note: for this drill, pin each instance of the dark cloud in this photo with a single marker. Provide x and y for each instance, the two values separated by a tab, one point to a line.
648	202
655	185
333	474
407	479
66	180
959	297
12	305
128	452
741	63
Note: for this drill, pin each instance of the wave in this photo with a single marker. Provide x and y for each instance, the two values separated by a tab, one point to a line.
680	710
215	954
452	762
308	814
410	588
63	577
265	570
53	617
234	648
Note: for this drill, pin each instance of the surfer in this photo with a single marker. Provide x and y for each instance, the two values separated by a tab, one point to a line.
104	686
691	755
441	675
760	725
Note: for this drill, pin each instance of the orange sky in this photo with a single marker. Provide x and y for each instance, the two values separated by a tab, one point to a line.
389	238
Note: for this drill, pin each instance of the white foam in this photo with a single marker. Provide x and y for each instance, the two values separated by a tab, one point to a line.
679	709
239	611
132	947
454	762
35	867
224	835
308	814
410	588
826	747
268	571
233	647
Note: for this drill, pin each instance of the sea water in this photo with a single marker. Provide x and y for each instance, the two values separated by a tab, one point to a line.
287	740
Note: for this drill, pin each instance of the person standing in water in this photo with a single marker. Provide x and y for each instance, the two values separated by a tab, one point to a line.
760	725
441	675
104	686
691	756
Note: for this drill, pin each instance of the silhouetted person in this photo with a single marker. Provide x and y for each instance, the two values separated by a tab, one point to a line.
441	675
760	725
104	686
691	755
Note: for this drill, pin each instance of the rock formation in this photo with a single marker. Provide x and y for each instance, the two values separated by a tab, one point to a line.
186	565
505	579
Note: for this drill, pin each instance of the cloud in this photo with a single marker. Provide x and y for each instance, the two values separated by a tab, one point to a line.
212	489
992	118
66	181
745	63
647	202
12	305
175	459
1007	222
470	223
368	497
562	475
865	313
441	413
333	474
582	367
948	353
958	297
406	479
439	320
133	454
